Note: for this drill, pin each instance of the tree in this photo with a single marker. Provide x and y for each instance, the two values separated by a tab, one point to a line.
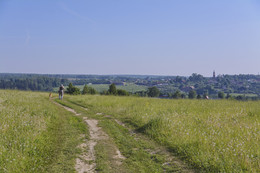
177	94
92	91
70	88
73	90
153	92
112	89
85	90
192	94
121	92
198	96
221	95
88	90
196	77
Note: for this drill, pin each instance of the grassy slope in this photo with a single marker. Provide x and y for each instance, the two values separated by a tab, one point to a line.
214	135
138	150
36	135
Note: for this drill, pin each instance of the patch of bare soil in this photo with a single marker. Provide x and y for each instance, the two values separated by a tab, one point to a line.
86	162
119	157
68	109
120	123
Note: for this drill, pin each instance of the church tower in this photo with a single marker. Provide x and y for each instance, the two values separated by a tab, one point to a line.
214	74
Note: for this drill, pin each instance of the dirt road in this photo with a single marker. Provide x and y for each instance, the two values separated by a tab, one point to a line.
109	138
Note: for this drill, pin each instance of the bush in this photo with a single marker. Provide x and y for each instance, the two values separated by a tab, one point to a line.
121	92
153	92
73	90
112	89
177	94
192	94
89	90
221	95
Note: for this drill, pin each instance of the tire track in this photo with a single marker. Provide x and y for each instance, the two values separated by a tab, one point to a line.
86	161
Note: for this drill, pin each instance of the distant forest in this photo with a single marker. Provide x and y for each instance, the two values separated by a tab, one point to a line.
32	82
167	85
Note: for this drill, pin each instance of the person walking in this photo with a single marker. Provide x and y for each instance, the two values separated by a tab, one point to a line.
61	92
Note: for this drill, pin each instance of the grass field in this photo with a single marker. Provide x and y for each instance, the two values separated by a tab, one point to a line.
211	135
36	135
246	95
104	87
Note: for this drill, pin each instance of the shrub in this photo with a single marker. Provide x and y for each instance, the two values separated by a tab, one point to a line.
121	92
73	90
153	92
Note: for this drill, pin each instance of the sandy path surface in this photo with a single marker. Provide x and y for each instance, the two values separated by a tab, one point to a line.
67	108
86	163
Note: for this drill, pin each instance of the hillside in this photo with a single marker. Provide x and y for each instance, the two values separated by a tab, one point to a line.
211	135
36	135
127	134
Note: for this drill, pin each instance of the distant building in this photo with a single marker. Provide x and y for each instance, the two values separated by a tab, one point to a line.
188	88
214	74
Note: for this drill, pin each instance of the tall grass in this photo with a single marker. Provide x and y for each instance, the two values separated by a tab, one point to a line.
214	135
34	134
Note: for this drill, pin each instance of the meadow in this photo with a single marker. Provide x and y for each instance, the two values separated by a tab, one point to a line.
36	135
210	135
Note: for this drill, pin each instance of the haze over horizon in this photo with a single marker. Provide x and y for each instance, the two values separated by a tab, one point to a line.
130	37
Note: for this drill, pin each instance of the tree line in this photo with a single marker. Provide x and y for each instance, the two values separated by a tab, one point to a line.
151	92
73	90
39	83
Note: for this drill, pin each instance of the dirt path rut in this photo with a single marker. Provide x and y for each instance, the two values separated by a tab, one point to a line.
86	161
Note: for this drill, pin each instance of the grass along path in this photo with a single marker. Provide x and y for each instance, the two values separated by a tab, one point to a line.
171	160
36	135
140	154
211	135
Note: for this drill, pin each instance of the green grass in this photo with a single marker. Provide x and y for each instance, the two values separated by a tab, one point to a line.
139	159
36	135
211	135
137	149
246	95
104	87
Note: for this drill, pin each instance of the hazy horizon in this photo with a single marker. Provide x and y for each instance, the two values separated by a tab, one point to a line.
120	74
164	38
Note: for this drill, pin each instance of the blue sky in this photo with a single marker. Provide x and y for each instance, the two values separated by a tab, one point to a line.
157	37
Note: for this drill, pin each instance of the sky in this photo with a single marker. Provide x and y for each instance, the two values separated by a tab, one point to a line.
141	37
